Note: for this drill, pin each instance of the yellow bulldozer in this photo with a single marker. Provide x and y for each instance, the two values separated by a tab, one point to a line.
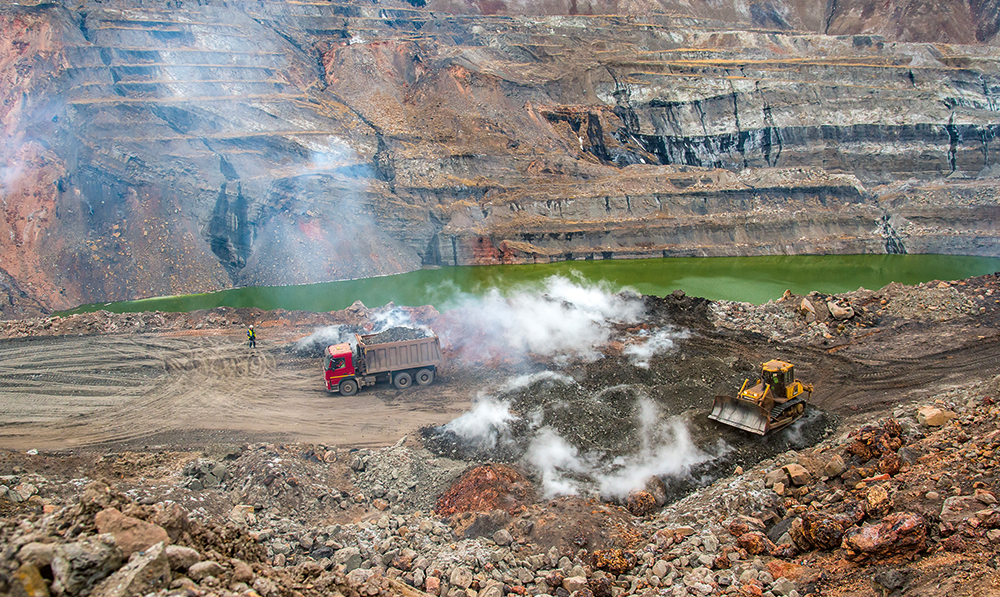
776	400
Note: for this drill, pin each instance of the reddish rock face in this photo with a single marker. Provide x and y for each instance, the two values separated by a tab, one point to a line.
485	489
896	533
144	157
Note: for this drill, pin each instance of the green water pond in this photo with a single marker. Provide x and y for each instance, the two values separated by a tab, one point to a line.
748	279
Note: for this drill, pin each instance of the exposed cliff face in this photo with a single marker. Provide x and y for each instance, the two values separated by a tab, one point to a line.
150	150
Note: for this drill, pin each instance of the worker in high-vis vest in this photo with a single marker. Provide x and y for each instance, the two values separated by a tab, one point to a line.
251	337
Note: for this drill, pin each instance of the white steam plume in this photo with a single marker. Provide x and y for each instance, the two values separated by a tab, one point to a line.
640	353
485	424
323	337
553	457
665	448
395	318
523	381
565	319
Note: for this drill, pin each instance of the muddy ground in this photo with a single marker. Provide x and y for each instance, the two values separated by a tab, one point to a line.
132	399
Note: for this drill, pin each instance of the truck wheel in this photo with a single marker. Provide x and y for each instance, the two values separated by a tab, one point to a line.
348	387
424	377
402	380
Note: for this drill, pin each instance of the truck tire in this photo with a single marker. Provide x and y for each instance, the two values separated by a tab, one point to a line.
424	377
348	387
402	380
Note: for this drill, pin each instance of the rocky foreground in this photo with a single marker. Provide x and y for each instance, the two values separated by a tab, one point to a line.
907	505
900	500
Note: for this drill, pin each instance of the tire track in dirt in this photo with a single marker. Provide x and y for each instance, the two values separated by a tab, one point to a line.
72	392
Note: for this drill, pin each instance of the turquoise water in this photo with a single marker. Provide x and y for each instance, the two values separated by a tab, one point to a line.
748	279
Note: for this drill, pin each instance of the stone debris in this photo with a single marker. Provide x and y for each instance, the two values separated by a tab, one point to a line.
320	519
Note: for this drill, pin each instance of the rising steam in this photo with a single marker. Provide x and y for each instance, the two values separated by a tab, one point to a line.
485	424
565	319
658	342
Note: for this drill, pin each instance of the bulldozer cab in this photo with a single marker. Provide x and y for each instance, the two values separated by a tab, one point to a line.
780	376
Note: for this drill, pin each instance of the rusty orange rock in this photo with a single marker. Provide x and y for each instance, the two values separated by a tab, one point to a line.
640	503
485	489
755	542
615	561
896	533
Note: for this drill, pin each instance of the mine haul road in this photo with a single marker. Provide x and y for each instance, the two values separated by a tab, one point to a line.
182	389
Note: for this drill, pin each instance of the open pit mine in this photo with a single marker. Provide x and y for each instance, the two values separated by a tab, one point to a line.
556	441
161	148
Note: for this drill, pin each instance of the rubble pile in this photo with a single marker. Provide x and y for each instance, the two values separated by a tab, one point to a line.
824	319
884	494
902	500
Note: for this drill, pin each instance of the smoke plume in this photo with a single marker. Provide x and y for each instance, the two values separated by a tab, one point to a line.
650	344
564	319
484	425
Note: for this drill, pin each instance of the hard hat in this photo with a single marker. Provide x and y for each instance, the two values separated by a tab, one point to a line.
251	326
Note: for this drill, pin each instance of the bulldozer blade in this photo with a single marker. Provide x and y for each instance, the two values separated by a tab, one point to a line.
740	414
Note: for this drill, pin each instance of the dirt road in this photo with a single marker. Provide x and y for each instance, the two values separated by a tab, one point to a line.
187	380
180	390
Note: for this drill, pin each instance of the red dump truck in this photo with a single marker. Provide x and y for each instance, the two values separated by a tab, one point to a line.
399	362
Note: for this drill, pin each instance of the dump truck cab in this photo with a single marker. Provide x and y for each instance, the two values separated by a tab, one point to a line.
338	366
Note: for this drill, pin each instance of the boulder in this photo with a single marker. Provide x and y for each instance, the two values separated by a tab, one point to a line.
986	497
877	501
574	583
640	503
461	577
890	464
798	474
172	517
932	416
960	507
834	466
776	476
615	560
78	566
755	543
131	534
181	558
658	489
27	581
815	530
243	514
38	554
242	572
806	308
146	573
201	570
349	557
796	573
872	442
896	533
502	537
840	313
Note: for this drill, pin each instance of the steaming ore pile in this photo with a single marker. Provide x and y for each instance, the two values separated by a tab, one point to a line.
584	466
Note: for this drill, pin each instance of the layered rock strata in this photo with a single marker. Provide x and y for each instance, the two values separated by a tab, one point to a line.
153	150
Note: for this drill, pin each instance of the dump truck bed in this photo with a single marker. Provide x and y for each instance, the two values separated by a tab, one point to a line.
398	356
